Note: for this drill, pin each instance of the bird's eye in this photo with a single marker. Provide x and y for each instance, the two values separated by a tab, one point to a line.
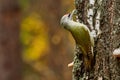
69	15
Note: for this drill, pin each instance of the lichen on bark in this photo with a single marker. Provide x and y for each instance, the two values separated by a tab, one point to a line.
107	14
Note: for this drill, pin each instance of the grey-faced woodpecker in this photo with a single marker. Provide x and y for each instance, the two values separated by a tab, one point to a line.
81	34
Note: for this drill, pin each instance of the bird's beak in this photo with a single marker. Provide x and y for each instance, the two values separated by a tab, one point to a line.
71	14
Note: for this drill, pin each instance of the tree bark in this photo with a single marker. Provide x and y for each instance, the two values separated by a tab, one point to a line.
103	15
10	58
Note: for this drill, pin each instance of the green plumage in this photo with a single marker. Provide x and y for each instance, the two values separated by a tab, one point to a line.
82	37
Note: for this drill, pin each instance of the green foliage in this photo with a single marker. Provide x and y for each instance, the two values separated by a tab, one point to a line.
24	3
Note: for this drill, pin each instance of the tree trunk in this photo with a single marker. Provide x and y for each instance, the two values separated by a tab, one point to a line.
10	58
103	14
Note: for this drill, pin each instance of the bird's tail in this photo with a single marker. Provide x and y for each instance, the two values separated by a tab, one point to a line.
88	62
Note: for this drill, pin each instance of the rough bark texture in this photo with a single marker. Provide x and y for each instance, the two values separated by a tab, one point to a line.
10	59
106	66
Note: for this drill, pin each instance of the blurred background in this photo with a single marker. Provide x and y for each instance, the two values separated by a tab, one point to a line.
46	47
32	42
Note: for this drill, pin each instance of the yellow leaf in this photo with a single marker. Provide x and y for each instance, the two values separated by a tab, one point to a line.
34	38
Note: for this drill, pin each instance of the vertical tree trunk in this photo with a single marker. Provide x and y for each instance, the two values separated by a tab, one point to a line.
103	14
10	58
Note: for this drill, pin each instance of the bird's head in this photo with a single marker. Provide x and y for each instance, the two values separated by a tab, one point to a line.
65	20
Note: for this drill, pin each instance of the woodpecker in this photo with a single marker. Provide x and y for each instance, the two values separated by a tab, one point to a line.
82	36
